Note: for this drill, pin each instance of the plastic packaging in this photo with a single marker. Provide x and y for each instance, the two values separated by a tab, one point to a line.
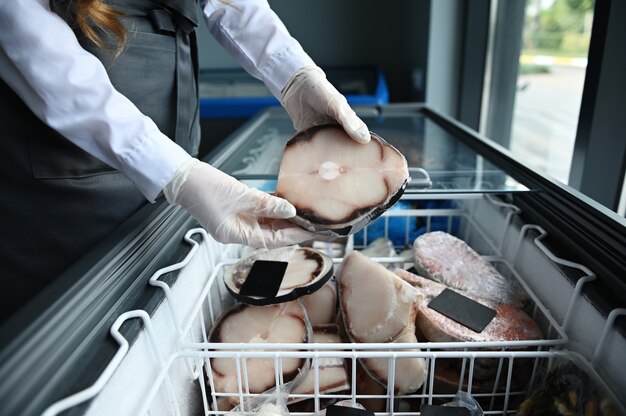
270	403
274	403
464	399
449	260
302	262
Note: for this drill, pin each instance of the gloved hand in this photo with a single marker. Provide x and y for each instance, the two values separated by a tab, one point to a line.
231	211
311	100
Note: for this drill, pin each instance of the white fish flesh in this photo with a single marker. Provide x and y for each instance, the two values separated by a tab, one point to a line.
446	259
378	306
337	185
307	271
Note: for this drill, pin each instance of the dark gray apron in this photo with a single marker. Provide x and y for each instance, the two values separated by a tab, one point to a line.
56	200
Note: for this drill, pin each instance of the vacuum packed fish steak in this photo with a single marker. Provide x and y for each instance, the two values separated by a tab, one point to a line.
509	324
337	185
283	323
307	270
443	257
378	306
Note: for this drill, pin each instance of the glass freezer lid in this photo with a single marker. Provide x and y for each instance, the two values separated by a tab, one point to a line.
253	154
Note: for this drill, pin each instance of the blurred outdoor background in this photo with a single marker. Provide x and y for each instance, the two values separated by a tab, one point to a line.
550	83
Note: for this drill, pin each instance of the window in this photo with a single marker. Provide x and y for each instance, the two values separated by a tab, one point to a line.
551	75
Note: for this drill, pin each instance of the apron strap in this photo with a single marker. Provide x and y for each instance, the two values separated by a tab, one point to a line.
179	19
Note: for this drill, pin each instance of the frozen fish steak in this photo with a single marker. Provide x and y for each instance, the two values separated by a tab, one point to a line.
284	323
337	185
307	271
378	306
509	324
446	259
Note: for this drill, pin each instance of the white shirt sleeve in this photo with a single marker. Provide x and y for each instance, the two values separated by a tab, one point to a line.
69	89
252	33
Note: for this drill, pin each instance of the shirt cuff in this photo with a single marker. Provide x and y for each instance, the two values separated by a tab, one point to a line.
282	66
152	163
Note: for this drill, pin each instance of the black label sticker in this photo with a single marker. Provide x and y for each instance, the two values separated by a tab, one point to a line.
264	278
463	310
334	410
429	410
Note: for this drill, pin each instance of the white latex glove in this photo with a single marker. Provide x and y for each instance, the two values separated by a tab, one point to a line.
231	211
311	100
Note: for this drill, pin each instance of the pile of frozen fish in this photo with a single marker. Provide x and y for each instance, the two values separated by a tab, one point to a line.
297	295
364	303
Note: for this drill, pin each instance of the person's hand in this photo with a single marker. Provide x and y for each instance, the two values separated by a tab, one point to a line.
311	100
231	211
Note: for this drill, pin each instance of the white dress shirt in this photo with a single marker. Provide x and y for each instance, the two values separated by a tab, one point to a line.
69	89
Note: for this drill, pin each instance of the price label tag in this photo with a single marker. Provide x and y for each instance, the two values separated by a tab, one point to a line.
264	278
463	310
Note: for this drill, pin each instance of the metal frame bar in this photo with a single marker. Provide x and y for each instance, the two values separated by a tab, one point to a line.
599	160
474	61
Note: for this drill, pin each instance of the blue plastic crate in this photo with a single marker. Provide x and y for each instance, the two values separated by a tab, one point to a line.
233	93
397	226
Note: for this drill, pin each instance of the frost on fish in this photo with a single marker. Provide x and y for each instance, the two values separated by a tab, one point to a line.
307	270
337	185
378	306
284	323
332	373
509	324
442	257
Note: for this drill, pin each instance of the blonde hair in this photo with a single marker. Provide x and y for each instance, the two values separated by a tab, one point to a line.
94	16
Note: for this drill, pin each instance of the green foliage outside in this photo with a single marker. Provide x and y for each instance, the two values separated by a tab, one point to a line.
526	69
558	28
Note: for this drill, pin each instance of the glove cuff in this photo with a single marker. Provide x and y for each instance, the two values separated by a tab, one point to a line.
173	187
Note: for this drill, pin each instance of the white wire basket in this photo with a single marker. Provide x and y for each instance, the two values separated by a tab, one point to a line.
497	374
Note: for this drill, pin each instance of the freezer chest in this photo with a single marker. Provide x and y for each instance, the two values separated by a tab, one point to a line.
475	192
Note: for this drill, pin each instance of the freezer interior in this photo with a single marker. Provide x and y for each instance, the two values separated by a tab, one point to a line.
459	187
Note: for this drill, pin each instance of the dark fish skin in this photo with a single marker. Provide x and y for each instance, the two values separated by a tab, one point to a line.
446	259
